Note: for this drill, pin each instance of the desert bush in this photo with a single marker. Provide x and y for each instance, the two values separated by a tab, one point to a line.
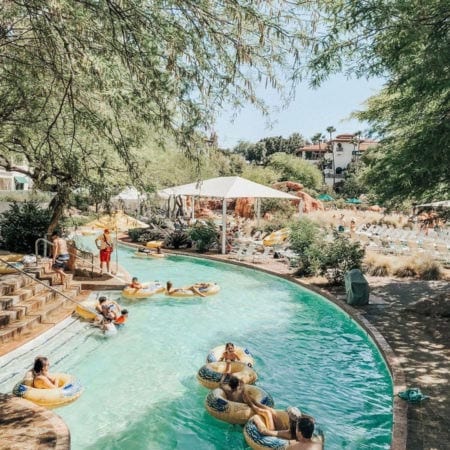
177	239
145	234
22	225
280	208
275	224
405	269
303	237
377	265
204	235
335	258
428	269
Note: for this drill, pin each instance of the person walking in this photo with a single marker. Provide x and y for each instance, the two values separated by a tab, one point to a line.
105	245
60	255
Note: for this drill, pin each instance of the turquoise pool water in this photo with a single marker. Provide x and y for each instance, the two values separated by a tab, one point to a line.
140	386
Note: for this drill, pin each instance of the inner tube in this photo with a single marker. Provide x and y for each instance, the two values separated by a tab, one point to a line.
86	309
154	244
68	391
149	289
210	374
244	355
149	255
205	288
258	441
217	404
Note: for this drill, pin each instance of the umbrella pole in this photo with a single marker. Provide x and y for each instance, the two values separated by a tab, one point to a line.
224	225
258	211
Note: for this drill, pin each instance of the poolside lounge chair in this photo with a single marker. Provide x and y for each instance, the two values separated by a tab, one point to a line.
264	256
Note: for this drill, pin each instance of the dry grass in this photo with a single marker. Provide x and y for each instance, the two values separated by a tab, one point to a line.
420	266
378	265
331	217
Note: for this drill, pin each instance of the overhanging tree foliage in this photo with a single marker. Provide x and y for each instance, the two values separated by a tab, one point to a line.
408	43
82	81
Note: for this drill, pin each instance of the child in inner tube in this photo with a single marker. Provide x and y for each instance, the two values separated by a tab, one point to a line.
135	284
228	356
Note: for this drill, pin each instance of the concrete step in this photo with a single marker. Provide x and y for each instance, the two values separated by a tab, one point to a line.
44	314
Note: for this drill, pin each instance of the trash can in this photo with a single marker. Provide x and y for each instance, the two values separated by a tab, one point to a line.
356	288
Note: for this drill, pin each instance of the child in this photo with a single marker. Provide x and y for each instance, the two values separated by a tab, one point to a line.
122	318
228	356
135	284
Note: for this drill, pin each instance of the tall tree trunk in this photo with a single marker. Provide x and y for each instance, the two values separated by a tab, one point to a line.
58	204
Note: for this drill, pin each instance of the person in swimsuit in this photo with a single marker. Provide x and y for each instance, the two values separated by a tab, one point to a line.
60	255
228	356
135	284
105	245
41	376
234	389
170	290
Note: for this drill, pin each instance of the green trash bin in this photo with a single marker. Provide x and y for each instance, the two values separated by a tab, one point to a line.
356	288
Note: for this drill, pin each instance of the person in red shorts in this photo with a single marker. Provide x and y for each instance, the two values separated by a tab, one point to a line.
105	245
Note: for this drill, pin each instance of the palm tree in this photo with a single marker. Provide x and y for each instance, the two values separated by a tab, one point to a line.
331	130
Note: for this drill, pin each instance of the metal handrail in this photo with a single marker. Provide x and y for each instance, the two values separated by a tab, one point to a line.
92	265
51	288
47	242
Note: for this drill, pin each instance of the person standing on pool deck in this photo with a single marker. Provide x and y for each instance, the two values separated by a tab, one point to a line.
60	255
105	245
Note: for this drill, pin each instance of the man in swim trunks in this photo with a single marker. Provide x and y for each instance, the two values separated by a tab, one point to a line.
60	255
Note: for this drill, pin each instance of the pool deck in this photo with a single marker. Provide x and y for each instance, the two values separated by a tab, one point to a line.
416	347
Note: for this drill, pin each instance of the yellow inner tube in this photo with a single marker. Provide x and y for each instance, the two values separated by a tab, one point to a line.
14	259
217	404
68	390
205	288
210	374
149	255
87	310
154	244
147	291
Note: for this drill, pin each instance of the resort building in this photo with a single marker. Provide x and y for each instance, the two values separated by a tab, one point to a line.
14	181
334	156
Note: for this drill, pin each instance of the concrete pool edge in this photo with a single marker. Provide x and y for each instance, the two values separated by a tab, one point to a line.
399	407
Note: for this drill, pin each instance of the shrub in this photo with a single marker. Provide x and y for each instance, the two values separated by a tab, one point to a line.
281	208
337	257
428	269
405	270
377	265
204	235
145	235
177	239
22	225
304	234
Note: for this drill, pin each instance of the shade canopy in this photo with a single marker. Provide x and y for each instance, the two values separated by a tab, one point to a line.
325	198
129	193
442	204
117	222
226	187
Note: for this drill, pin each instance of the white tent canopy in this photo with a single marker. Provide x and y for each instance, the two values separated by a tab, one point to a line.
226	188
129	198
441	204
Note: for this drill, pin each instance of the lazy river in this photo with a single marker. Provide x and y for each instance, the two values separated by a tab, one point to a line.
141	390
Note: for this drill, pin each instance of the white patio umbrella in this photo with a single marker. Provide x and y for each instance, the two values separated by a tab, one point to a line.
227	188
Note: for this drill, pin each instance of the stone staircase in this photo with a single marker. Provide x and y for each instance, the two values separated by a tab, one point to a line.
29	307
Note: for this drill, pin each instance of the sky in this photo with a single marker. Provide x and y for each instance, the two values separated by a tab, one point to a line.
311	112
